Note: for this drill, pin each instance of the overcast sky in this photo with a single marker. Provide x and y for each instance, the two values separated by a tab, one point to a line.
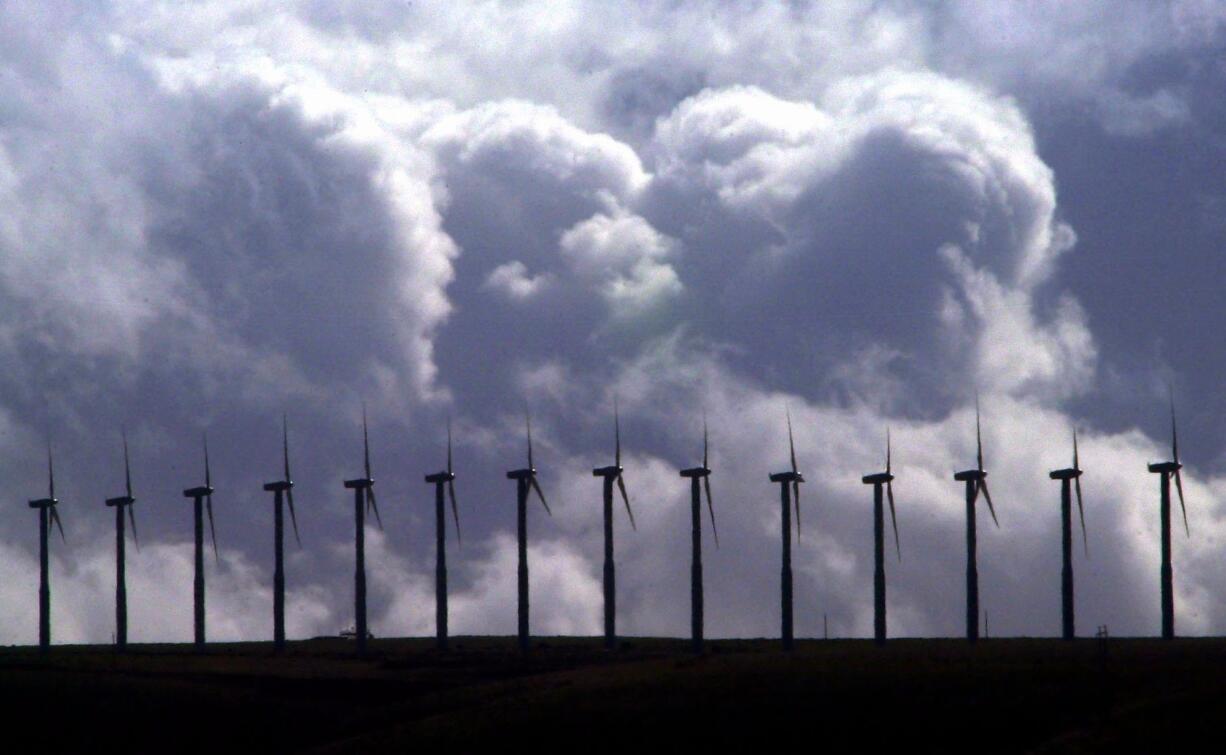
211	214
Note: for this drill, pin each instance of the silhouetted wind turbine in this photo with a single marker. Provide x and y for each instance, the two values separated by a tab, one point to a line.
699	482
609	476
441	480
46	515
202	500
1069	478
878	481
1168	469
363	498
525	483
976	481
789	496
283	491
119	503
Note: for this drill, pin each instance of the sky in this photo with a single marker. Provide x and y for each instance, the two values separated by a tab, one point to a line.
861	213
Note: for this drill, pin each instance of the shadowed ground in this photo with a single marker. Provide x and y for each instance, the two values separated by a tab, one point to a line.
917	695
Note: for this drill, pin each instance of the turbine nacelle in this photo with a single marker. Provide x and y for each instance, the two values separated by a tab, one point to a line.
198	492
1065	474
439	477
787	477
43	503
526	473
696	472
881	478
123	500
970	475
612	471
1168	467
361	482
278	486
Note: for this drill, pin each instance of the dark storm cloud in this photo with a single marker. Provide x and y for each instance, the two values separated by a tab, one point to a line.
860	210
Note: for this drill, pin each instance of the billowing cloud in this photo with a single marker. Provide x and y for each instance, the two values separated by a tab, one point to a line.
853	211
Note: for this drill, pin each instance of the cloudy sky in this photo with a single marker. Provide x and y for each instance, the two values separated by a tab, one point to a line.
864	211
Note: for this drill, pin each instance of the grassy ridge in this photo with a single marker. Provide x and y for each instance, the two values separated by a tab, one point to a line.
1012	695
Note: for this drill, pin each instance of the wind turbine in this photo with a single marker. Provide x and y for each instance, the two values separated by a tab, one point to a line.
1069	478
976	482
363	498
202	500
525	484
442	480
283	491
119	503
609	476
878	481
46	515
699	482
1170	469
789	496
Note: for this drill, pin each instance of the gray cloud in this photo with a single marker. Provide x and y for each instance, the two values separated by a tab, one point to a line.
211	215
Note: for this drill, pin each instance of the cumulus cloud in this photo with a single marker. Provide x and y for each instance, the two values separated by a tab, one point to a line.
512	280
211	215
624	255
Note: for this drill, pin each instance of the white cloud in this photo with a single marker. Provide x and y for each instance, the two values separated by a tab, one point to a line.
511	279
625	256
212	214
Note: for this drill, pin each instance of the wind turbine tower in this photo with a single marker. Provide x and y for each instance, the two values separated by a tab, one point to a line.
976	481
441	480
46	515
283	492
119	503
699	483
789	496
202	501
878	481
363	498
525	484
610	476
1169	469
1070	479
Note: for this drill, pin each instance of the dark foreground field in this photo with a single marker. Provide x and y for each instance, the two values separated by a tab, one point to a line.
916	695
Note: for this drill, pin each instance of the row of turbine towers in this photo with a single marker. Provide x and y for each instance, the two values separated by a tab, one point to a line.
974	481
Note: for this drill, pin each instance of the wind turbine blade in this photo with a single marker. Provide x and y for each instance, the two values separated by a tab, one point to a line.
617	436
365	442
983	485
50	473
704	439
132	519
889	492
448	444
208	506
289	497
127	469
55	517
528	423
1174	432
1085	540
621	485
887	450
706	485
537	487
978	436
791	443
1184	509
796	505
373	505
455	512
285	445
1076	463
